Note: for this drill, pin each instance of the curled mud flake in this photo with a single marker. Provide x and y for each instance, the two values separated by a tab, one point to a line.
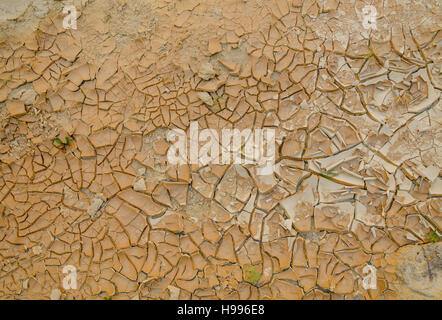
206	71
16	107
206	98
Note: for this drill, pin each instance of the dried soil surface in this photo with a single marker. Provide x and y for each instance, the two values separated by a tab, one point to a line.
357	181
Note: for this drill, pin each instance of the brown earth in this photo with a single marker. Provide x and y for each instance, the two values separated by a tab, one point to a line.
357	181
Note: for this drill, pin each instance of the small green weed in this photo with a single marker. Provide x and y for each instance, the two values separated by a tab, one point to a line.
433	236
252	274
62	144
329	174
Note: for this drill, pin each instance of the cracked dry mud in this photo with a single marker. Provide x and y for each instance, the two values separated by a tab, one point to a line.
357	182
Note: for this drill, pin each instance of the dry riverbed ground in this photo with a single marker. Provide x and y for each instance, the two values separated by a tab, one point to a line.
84	176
